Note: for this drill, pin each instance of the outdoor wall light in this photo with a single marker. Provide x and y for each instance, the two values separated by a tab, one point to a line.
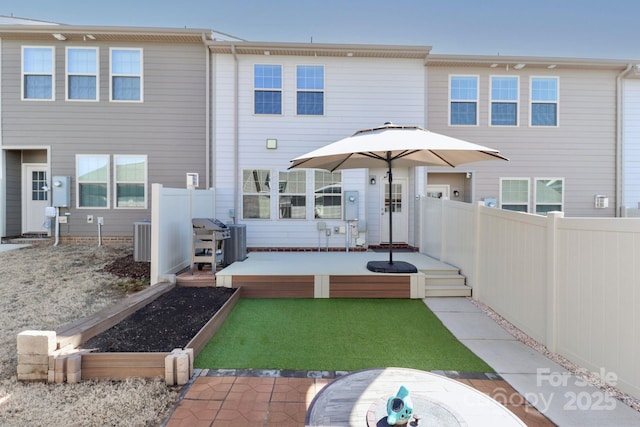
468	175
272	143
456	193
372	180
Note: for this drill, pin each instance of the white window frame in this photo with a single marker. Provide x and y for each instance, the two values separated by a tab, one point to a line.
340	195
116	181
535	193
283	193
476	100
268	193
108	181
280	89
516	178
140	76
556	102
324	98
501	101
68	74
53	74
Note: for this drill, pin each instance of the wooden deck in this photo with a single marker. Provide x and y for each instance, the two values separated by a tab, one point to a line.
331	275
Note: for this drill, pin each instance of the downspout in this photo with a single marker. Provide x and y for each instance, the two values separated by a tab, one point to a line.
207	108
236	148
619	147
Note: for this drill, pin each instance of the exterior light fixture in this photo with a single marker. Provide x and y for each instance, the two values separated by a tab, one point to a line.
267	53
372	179
519	66
59	36
551	66
90	36
493	65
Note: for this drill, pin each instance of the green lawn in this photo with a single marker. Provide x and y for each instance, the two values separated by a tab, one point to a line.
335	334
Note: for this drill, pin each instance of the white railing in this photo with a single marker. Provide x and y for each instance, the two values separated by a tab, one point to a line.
572	284
171	231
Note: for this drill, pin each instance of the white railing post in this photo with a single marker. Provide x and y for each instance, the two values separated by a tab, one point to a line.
552	280
443	231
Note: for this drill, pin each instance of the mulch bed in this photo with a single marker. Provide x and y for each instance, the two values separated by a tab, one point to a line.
169	322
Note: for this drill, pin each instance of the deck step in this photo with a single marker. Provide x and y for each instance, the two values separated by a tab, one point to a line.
447	284
448	291
444	279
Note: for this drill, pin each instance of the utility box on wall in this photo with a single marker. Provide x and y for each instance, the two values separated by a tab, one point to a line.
351	205
61	191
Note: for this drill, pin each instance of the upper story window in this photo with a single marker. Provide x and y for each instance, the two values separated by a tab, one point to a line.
544	101
267	83
82	73
310	86
327	195
126	75
463	96
256	194
130	172
38	67
92	181
514	194
292	189
504	101
549	195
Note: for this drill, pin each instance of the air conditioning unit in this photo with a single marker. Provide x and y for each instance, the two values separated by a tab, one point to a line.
142	241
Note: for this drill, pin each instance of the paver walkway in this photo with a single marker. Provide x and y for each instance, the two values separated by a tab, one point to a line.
267	398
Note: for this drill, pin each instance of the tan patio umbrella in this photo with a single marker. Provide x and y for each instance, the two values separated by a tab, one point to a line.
399	146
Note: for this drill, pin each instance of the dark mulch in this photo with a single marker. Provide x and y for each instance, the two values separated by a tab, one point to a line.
126	267
169	322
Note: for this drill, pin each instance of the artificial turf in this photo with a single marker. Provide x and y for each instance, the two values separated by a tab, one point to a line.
335	335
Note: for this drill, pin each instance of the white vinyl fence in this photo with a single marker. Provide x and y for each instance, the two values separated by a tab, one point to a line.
171	231
572	284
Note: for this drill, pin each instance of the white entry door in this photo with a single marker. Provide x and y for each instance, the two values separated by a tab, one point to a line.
34	198
400	208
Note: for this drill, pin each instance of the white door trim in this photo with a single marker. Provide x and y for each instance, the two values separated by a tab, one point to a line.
27	203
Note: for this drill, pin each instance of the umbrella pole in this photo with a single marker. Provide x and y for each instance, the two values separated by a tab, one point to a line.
390	208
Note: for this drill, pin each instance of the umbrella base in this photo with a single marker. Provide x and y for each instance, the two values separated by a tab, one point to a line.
391	267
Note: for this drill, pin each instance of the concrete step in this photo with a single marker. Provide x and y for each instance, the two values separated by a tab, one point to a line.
448	291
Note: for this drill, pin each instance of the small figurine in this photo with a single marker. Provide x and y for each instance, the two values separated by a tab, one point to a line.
399	408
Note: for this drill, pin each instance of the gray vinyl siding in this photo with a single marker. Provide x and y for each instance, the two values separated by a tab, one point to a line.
13	172
581	149
168	126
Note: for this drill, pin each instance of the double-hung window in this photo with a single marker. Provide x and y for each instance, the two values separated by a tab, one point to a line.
310	86
38	75
292	188
92	181
256	194
514	194
82	74
463	98
267	83
549	195
126	75
544	101
130	176
504	101
327	195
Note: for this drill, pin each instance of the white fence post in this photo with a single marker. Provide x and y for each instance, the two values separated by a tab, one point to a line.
552	280
477	282
156	189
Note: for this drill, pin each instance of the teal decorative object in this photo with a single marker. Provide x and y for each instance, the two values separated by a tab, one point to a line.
399	408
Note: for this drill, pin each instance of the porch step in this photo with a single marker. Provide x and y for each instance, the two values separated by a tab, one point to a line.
450	284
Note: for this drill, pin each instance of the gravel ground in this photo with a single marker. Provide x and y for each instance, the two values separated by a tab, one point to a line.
44	287
590	377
